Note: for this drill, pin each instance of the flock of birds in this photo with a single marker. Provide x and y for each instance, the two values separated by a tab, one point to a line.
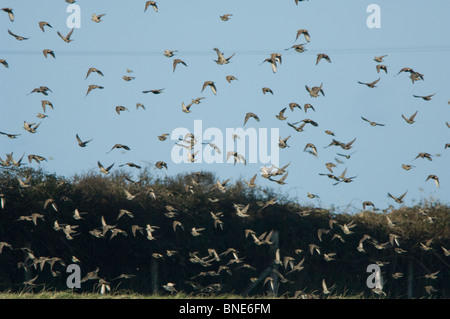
271	173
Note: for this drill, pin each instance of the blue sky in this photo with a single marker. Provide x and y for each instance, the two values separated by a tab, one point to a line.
412	34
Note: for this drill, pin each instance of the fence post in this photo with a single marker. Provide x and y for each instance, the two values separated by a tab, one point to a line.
410	278
154	275
274	247
27	274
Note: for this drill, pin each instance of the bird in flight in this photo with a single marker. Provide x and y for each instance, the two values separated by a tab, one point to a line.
371	84
176	62
379	59
410	120
10	13
18	37
169	53
399	199
121	108
43	24
119	146
97	18
103	169
80	142
303	32
281	181
298	48
249	115
230	78
314	91
41	89
151	3
426	97
267	90
221	58
66	38
280	115
211	85
273	59
158	91
161	164
93	87
93	70
236	157
435	178
313	148
321	56
225	17
372	123
424	155
11	136
381	67
47	52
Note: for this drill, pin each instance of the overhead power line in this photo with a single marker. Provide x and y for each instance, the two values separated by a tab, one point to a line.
411	49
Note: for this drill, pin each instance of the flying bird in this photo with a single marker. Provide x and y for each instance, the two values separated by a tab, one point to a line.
211	85
80	142
119	146
314	91
225	17
128	78
371	84
303	32
267	90
372	123
426	97
176	62
230	78
11	136
121	108
48	51
399	199
249	115
10	13
381	67
158	91
103	169
321	56
66	38
43	24
169	53
221	58
313	148
42	89
410	120
93	70
379	59
18	37
151	3
280	115
161	164
424	155
97	18
236	157
435	178
93	87
273	60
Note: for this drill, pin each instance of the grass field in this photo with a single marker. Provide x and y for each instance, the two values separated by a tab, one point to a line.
132	295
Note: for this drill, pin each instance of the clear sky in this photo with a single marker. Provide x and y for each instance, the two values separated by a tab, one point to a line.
412	34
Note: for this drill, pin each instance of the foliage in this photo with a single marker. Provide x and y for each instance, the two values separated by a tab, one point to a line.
194	269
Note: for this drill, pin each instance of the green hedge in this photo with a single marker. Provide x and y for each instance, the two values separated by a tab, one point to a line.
190	195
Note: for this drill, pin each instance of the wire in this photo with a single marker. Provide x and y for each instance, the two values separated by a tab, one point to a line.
287	51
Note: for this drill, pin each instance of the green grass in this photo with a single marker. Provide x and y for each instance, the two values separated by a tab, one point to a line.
131	295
